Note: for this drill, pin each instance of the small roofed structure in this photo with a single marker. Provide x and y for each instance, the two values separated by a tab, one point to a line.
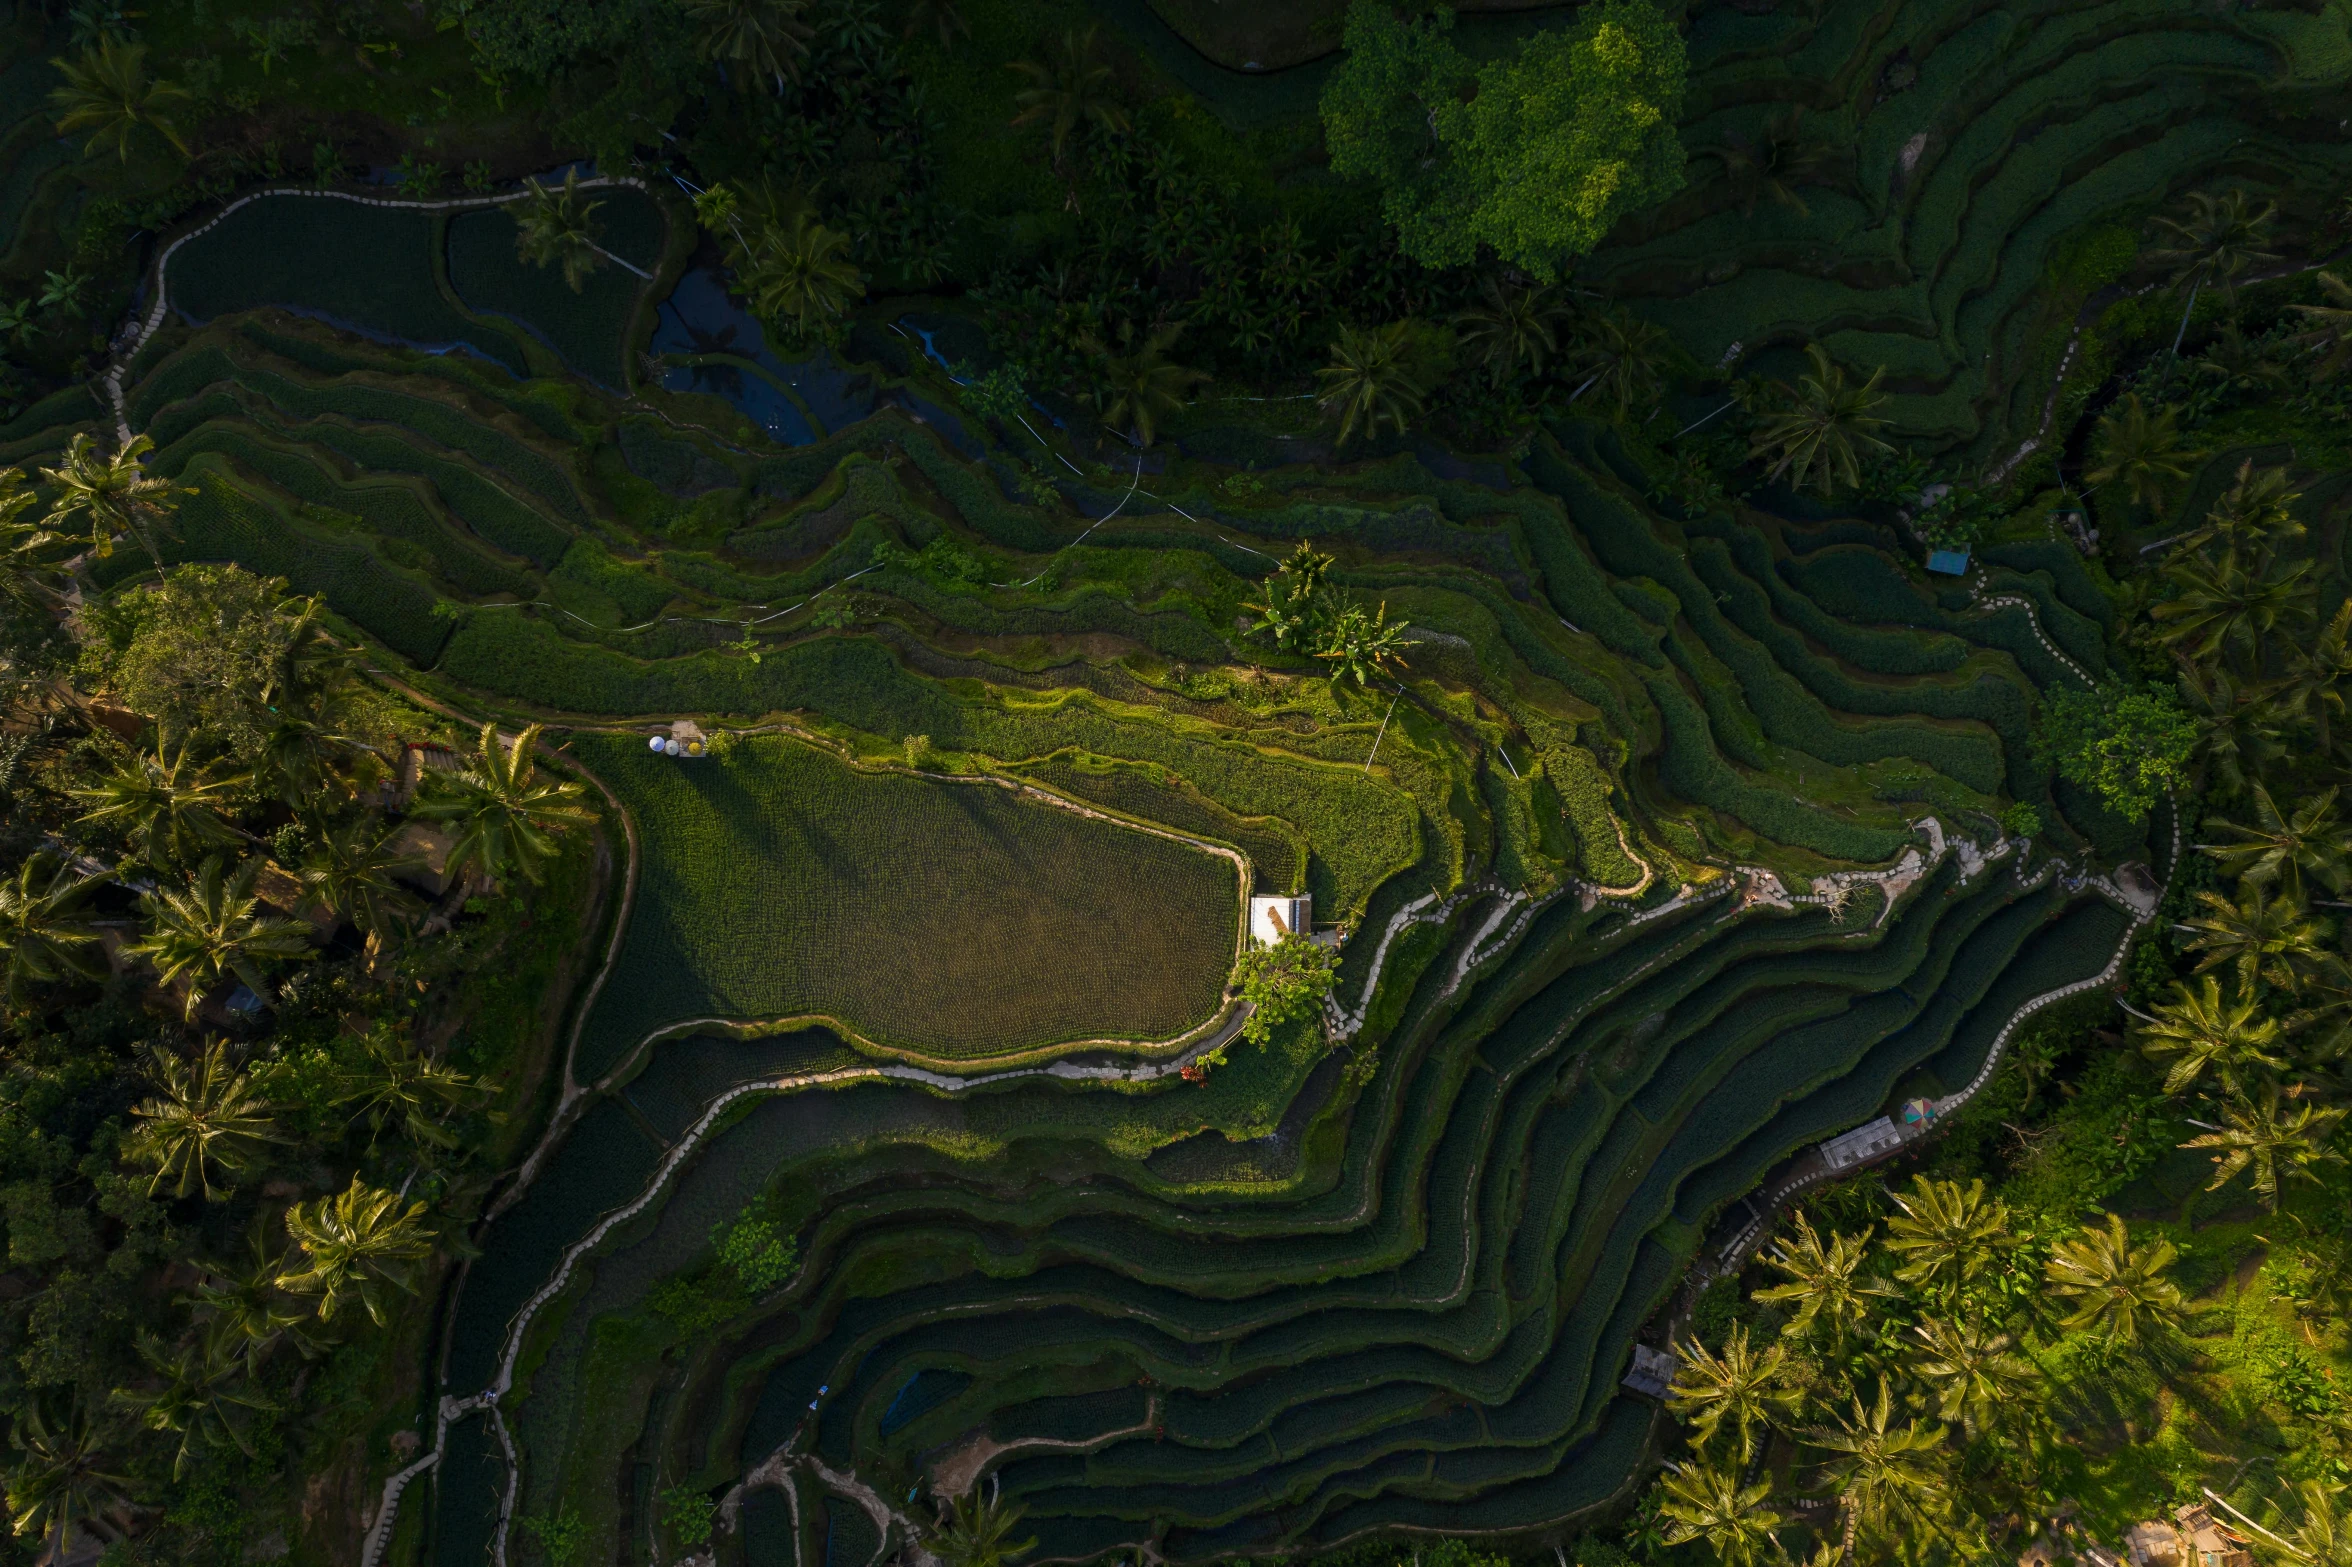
1919	1112
1863	1143
1272	918
684	738
1952	563
1653	1371
2204	1543
2152	1545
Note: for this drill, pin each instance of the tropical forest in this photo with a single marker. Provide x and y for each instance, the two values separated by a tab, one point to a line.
1150	783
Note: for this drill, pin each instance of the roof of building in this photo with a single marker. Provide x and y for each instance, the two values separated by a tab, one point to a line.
1952	563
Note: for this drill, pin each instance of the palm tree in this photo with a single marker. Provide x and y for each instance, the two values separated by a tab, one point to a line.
403	1087
557	228
1974	1371
240	1307
505	817
1948	1235
1774	164
2286	848
1072	88
1366	647
801	278
763	39
2218	240
2237	724
2330	335
1372	380
166	803
1514	326
2317	671
2221	605
2257	1133
2114	1284
2323	1537
206	1398
2260	937
1882	1470
207	1115
66	1479
1826	1281
973	1532
107	92
2257	510
1619	355
355	871
42	936
1135	390
211	931
112	491
1822	430
27	549
1703	1502
354	1245
1739	1386
944	17
2141	451
2194	1030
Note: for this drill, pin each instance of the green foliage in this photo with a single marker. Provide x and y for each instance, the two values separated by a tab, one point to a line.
1554	144
2021	820
688	1516
2129	746
562	1535
1285	982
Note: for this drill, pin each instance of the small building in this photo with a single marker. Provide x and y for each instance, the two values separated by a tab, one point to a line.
683	738
1861	1145
2152	1545
1952	563
2204	1543
1653	1371
1272	918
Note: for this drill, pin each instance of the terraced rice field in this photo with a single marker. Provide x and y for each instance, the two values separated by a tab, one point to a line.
951	921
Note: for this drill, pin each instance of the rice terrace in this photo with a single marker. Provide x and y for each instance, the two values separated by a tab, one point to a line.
969	783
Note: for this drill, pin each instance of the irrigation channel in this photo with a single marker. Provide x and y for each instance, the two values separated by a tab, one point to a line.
716	1084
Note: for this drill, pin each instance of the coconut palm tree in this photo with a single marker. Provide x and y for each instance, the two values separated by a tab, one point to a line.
2330	334
1619	356
2225	606
1372	380
355	1245
355	870
1947	1234
2323	1536
43	938
1975	1372
556	228
800	278
1515	326
1821	430
240	1307
108	93
1772	165
2259	1133
1705	1502
2261	937
2212	246
110	493
2238	724
28	550
166	803
1136	390
211	931
401	1086
1883	1472
944	17
1074	86
2257	513
66	1479
1826	1284
506	818
974	1531
206	1397
1742	1387
2288	849
1366	647
207	1116
2196	1030
2142	451
2119	1287
2317	670
763	40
